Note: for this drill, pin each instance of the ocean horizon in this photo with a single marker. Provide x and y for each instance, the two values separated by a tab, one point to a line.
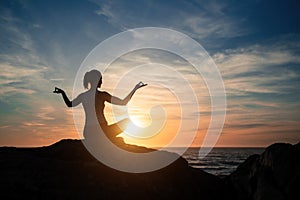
221	161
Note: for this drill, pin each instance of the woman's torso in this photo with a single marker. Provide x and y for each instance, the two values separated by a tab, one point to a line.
93	104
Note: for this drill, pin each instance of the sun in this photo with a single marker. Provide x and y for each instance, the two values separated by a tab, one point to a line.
135	125
141	121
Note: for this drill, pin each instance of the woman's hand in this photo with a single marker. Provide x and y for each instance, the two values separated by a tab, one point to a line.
123	102
139	85
58	90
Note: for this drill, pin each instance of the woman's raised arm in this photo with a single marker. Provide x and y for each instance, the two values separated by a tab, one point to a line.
118	101
69	103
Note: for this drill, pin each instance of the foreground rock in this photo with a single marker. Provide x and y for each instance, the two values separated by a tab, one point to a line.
66	170
274	175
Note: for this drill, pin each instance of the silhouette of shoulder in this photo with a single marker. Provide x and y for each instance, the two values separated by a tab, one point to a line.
104	95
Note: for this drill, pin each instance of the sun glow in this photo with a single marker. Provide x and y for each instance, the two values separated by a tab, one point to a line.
135	124
143	126
140	121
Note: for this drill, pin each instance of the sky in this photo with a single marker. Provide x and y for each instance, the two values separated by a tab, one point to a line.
255	45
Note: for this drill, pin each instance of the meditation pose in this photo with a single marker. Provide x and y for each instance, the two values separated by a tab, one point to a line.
93	101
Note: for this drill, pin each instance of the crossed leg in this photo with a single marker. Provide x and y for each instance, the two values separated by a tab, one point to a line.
111	131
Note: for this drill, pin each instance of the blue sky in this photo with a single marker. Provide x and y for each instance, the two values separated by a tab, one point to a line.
255	44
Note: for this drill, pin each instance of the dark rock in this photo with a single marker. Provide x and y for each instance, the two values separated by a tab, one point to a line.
274	175
66	170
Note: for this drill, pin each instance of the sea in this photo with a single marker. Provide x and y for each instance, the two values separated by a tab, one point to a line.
220	161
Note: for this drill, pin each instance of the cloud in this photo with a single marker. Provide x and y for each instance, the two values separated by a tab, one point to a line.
41	49
200	20
253	58
106	11
260	81
37	26
258	69
220	26
26	98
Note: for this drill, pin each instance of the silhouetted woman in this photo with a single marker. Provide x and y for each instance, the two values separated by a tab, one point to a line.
93	103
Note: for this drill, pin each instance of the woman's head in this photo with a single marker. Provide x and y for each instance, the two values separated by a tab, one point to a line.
92	78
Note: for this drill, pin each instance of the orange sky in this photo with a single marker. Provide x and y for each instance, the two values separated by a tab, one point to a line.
242	128
255	47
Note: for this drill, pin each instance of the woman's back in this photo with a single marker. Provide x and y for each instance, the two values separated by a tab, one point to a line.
100	99
88	103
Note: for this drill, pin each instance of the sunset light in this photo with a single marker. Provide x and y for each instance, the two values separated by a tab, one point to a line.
150	99
258	63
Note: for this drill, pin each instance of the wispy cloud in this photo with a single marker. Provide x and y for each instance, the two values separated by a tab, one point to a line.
258	69
199	20
28	115
262	97
41	48
213	22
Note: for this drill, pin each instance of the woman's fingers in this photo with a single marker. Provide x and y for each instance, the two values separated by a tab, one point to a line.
140	84
57	90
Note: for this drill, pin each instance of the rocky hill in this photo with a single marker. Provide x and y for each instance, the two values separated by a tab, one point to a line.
66	170
273	175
